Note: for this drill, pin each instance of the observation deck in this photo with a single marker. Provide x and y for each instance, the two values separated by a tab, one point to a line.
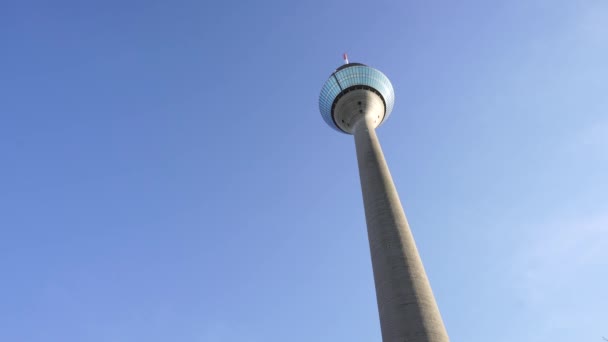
350	77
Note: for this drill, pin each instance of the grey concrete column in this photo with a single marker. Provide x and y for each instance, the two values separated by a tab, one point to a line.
407	307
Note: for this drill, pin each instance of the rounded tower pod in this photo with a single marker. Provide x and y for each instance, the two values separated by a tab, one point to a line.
355	100
352	92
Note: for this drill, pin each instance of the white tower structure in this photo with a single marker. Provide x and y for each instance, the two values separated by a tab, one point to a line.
356	99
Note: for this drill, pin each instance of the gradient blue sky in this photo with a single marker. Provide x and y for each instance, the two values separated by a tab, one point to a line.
166	176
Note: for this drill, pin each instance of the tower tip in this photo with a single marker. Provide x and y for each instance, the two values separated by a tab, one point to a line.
345	56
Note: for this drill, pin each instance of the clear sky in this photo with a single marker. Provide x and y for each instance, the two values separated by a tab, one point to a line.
166	175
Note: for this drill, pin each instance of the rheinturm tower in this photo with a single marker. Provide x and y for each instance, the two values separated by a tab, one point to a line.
355	100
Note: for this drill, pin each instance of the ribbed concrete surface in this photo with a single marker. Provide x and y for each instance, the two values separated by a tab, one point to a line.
407	307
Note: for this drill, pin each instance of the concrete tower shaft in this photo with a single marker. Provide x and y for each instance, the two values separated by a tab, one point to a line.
406	305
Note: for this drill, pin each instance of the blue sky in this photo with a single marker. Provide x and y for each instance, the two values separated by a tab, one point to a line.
166	175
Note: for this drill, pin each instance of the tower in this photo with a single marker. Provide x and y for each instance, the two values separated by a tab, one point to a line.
355	100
